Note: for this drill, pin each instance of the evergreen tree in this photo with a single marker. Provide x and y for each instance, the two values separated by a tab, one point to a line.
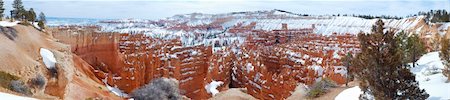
31	15
445	56
2	9
347	63
18	9
42	17
381	69
415	49
402	38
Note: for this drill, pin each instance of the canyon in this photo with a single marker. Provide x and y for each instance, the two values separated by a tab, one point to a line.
266	53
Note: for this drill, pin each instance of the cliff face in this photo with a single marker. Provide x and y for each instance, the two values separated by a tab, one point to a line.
130	61
19	49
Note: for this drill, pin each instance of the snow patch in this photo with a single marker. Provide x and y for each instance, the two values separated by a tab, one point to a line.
8	23
212	87
116	91
6	96
249	67
48	58
349	94
340	70
429	75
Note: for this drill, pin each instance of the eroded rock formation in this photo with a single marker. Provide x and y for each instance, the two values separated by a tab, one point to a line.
270	64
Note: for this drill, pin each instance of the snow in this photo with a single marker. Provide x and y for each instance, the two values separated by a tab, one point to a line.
318	69
36	25
249	67
212	87
6	96
48	58
8	23
116	91
340	70
349	94
429	75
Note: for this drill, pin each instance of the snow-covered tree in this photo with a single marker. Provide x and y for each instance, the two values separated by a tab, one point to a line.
381	69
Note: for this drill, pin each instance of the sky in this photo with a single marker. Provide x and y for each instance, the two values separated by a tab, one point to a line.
159	9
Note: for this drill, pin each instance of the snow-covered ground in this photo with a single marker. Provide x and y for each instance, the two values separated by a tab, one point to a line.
430	77
8	23
349	94
6	96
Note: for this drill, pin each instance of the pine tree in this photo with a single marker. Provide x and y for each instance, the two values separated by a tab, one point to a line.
402	38
18	9
445	56
42	17
415	49
347	63
31	15
380	67
2	9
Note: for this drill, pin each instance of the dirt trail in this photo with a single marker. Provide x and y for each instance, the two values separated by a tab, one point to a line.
299	94
233	94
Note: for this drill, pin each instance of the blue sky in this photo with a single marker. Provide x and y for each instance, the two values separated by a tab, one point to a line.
158	9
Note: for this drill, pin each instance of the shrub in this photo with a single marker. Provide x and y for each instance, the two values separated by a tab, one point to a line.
41	25
25	23
53	71
19	87
38	81
320	88
6	78
158	89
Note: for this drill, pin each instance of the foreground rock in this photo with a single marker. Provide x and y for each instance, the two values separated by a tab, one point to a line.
20	50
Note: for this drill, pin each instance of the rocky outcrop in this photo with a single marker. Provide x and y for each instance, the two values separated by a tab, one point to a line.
129	61
19	49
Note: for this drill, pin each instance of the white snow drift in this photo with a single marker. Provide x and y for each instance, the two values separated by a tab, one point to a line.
6	96
212	87
48	58
429	75
349	94
428	72
8	23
